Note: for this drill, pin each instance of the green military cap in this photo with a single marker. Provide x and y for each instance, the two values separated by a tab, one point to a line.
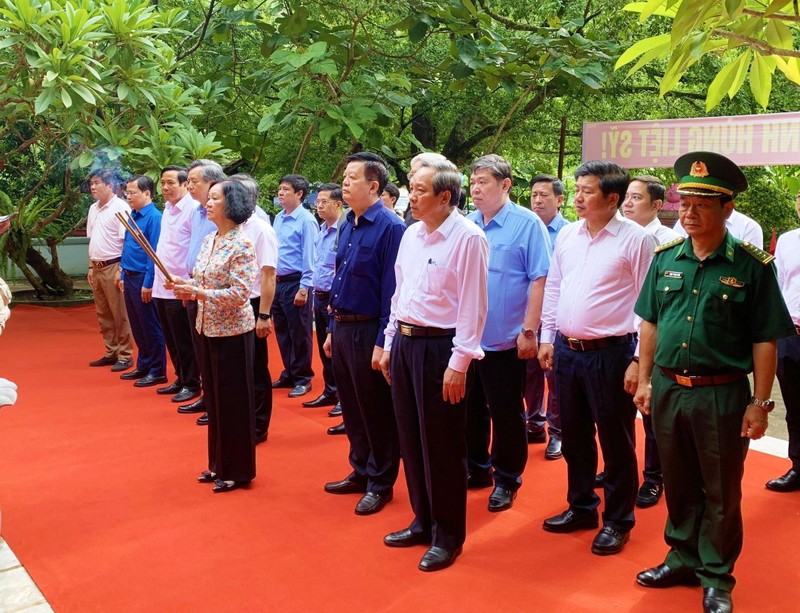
704	173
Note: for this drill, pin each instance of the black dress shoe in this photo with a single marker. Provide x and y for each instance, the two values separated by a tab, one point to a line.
716	600
300	390
136	373
600	480
476	481
198	406
172	388
121	365
405	538
323	400
649	494
336	411
150	380
207	477
261	438
282	383
228	486
103	362
202	420
438	558
346	486
786	483
372	503
568	521
501	499
537	436
338	429
553	451
664	576
186	393
608	541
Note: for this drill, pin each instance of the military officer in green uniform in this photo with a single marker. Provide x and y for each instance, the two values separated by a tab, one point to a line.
712	312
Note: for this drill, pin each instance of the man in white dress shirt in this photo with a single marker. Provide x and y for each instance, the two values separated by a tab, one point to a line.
434	333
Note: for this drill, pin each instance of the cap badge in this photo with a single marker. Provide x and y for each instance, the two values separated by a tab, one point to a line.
699	169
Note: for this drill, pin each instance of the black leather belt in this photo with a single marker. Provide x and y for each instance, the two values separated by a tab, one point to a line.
797	329
294	276
321	295
413	330
701	380
131	272
350	318
594	344
104	263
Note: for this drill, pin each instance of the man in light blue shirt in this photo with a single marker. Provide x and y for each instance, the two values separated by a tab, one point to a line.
519	258
291	309
547	196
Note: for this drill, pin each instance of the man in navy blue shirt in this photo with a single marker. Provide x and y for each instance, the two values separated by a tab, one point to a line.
136	281
291	310
361	297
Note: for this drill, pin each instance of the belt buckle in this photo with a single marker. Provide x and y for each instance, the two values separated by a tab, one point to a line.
575	344
405	329
684	381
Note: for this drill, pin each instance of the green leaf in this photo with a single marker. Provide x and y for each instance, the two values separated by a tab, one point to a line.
417	32
761	80
733	8
44	100
725	81
84	92
86	158
775	6
400	99
66	98
641	47
317	49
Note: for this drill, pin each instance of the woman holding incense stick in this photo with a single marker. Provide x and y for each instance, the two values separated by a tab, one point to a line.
223	275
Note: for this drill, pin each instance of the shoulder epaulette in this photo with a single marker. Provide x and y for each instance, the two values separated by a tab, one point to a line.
762	256
669	245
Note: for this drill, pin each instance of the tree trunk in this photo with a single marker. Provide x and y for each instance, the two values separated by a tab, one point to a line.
54	281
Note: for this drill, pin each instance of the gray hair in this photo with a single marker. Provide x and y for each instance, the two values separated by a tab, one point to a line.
499	168
427	157
447	177
211	171
250	183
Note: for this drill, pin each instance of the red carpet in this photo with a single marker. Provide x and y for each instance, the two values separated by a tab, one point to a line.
100	504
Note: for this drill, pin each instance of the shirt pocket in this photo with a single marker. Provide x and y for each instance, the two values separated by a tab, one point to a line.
330	258
499	257
363	261
435	280
727	305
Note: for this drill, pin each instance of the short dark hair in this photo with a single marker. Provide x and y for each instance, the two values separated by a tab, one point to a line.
183	174
334	188
497	165
613	177
558	185
106	175
655	188
298	182
238	204
375	168
143	183
392	189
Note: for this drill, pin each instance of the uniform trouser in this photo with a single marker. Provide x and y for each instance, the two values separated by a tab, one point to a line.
494	406
321	324
293	332
432	439
789	381
262	380
111	314
702	452
145	327
652	461
178	337
591	391
536	413
228	385
367	408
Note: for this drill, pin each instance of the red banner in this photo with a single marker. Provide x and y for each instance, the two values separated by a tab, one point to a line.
749	140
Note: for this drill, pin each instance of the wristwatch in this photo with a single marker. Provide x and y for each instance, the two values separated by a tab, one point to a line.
194	293
528	333
264	316
766	405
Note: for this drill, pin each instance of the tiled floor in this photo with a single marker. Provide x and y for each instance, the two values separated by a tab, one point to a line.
18	592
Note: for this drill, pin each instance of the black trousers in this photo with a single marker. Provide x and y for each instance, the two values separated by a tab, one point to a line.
145	327
789	380
495	412
592	395
293	332
432	438
178	337
536	413
262	380
321	325
652	461
228	384
366	406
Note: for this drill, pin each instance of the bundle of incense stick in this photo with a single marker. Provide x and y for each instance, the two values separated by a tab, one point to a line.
132	227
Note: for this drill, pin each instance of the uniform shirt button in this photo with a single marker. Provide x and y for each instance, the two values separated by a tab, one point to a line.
694	291
700	265
684	345
666	289
685	371
724	296
689	318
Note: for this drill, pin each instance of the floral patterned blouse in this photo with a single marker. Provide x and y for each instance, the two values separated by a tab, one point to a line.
225	273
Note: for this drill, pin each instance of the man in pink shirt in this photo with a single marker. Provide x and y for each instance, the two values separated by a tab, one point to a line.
437	319
589	337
